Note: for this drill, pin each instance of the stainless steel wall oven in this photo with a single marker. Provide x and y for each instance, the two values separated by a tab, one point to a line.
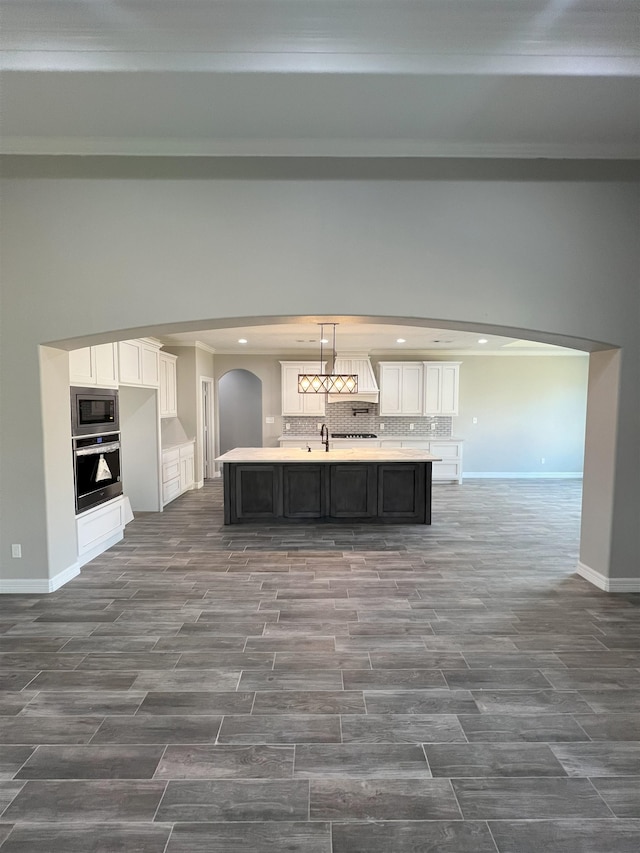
96	462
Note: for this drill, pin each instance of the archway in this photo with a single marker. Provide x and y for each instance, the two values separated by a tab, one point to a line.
239	410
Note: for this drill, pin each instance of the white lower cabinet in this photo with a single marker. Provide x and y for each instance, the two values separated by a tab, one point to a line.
177	471
99	528
449	468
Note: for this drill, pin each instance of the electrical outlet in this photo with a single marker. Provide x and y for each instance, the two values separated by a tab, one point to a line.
542	460
412	426
474	420
318	426
287	426
16	551
433	426
382	426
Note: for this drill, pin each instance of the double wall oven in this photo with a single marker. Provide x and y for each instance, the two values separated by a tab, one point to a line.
95	428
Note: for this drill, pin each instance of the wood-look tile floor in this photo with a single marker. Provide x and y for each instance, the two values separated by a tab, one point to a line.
327	688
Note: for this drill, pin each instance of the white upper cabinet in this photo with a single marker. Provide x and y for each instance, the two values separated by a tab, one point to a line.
168	386
96	365
441	387
296	404
139	362
401	387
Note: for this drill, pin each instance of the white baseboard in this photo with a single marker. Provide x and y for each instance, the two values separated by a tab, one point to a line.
199	484
605	583
39	586
522	475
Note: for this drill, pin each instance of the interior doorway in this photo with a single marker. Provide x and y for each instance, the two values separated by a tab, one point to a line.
239	410
208	444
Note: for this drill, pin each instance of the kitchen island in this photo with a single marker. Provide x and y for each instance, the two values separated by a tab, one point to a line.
283	485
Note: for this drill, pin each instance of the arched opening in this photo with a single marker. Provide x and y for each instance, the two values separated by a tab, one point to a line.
239	410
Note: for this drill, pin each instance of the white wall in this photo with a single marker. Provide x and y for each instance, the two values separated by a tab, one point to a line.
531	252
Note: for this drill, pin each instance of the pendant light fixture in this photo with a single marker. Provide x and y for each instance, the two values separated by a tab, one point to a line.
329	382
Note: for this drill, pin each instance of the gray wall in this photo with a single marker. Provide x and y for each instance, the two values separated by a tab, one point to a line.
528	409
546	249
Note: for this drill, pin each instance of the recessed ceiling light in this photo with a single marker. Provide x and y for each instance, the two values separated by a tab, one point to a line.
401	341
483	341
322	341
242	340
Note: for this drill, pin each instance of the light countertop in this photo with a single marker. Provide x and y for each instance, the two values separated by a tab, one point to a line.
355	454
408	437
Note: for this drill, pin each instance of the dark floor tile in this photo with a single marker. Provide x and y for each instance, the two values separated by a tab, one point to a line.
295	661
234	660
280	728
83	702
607	726
308	702
412	836
511	728
566	836
12	758
235	800
593	678
92	762
61	729
16	679
495	759
226	762
383	799
87	800
196	702
392	679
84	837
361	761
599	759
79	680
519	799
315	679
129	661
622	795
510	660
420	702
8	792
265	837
13	701
401	728
417	660
530	701
182	680
612	701
496	679
159	729
36	661
290	644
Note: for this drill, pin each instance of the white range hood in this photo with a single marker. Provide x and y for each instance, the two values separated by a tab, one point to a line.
368	391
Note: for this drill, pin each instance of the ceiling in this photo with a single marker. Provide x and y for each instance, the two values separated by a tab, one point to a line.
427	78
356	335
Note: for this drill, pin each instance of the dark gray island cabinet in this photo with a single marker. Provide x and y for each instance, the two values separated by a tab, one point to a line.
281	485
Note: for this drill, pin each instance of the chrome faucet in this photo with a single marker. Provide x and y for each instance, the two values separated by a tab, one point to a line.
324	436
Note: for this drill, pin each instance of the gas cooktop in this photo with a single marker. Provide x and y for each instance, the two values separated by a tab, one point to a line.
353	435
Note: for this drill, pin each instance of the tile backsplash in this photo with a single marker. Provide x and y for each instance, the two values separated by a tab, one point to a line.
340	418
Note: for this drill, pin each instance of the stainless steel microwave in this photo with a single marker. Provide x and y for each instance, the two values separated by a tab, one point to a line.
94	411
